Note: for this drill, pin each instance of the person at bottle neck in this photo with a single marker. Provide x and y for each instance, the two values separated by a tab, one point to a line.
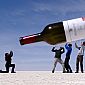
8	59
68	47
80	56
57	58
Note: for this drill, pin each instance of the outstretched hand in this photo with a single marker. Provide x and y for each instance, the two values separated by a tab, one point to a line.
11	53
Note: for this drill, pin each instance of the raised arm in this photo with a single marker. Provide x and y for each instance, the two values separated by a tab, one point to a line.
53	49
77	46
62	49
11	53
66	46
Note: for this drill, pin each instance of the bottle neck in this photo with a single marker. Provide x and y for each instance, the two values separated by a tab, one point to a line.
31	39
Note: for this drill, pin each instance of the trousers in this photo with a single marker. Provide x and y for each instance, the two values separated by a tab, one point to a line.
56	60
66	64
8	66
79	59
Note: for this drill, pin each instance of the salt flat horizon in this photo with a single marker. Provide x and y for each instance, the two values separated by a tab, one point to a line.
42	78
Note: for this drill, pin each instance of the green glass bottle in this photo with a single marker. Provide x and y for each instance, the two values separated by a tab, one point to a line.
52	34
65	31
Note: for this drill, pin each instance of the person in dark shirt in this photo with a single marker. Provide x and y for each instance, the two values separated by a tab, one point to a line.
8	59
57	57
66	63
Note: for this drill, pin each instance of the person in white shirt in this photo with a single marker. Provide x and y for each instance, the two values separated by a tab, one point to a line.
80	57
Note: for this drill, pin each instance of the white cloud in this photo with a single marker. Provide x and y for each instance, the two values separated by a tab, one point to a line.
61	7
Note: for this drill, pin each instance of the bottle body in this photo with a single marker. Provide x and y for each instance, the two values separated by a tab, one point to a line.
66	31
54	33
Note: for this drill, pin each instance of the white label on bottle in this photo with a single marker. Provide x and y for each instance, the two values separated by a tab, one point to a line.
74	29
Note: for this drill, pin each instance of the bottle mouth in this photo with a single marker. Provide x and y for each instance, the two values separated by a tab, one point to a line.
29	39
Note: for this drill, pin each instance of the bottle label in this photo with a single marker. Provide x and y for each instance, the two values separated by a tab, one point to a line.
74	29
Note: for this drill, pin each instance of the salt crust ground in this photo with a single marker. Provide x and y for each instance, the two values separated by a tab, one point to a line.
42	78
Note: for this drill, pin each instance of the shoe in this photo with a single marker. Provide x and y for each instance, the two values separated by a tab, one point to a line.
70	72
0	71
82	72
52	71
64	71
76	72
13	72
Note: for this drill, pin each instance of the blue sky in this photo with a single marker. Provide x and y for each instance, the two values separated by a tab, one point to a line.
24	17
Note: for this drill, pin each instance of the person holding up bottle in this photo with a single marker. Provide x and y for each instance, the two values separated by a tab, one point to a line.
80	56
68	46
8	59
57	57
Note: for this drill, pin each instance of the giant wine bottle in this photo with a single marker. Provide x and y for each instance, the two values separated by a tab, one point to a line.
65	31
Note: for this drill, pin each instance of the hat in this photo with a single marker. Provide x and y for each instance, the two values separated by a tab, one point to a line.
6	54
69	44
84	43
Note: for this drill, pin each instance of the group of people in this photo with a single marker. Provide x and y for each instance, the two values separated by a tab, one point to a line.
57	58
8	59
65	64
